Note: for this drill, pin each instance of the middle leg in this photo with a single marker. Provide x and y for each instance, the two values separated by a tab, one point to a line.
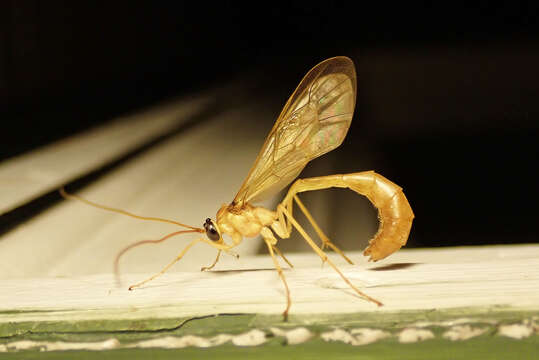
281	275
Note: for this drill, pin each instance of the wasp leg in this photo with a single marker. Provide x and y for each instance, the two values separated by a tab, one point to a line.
270	241
325	258
394	211
178	258
282	255
206	268
323	237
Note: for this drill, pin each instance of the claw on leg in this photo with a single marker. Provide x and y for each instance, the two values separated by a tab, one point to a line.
281	275
206	268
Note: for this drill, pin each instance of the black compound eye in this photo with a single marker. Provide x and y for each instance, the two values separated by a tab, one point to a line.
211	231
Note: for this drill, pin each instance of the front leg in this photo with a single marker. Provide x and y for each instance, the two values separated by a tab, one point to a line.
220	247
207	268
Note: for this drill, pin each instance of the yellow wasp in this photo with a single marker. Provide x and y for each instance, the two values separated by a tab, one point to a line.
314	120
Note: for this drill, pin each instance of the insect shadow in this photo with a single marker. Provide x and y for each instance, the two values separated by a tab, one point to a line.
396	266
234	271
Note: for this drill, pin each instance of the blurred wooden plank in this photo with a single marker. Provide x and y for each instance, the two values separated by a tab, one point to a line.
187	178
28	176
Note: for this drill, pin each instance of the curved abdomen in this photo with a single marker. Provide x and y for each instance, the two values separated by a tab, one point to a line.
394	211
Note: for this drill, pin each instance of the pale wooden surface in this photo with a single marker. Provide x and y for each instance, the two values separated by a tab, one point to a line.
484	277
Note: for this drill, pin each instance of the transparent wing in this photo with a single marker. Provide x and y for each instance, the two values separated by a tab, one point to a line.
314	121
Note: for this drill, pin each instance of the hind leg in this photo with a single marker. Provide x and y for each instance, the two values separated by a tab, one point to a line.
326	242
324	257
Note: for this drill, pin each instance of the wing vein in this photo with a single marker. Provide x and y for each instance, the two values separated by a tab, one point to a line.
304	130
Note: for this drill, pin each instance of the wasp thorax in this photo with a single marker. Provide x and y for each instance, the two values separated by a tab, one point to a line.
211	230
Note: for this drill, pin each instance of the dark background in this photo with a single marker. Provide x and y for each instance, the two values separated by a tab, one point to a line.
447	104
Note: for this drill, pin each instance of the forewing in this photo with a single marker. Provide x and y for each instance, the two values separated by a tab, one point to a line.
314	121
